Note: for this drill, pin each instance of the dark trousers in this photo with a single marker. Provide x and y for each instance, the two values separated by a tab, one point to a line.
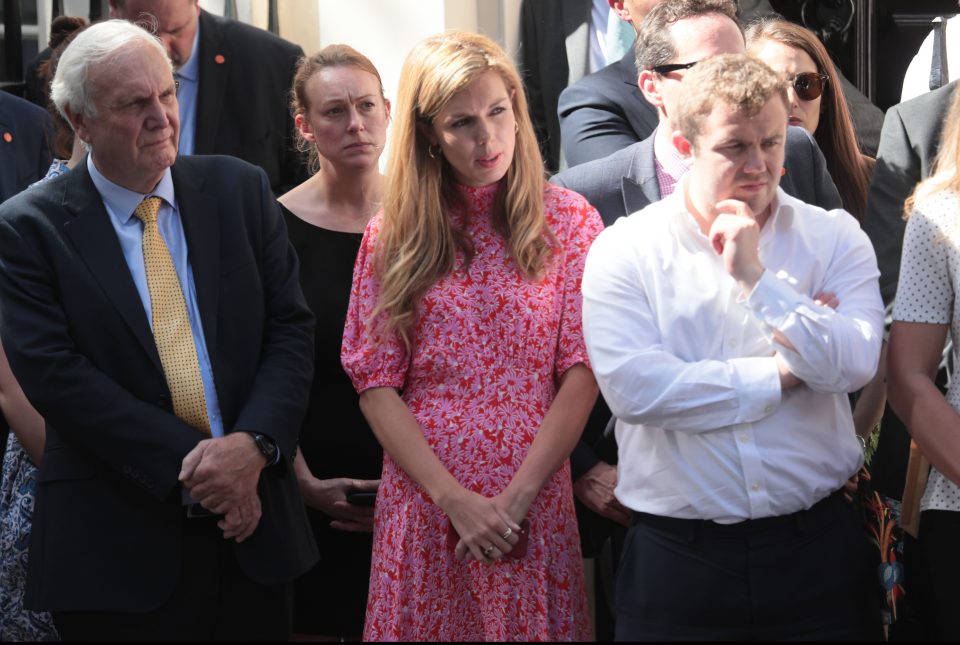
935	580
805	576
213	601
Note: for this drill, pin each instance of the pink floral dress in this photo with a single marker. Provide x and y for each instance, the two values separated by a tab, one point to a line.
489	348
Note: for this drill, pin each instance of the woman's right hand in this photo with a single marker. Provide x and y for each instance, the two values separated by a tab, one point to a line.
329	496
481	524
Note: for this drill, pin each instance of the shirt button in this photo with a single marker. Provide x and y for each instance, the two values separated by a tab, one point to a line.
732	342
744	438
768	409
755	487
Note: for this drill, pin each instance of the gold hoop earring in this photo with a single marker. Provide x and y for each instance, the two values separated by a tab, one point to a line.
433	150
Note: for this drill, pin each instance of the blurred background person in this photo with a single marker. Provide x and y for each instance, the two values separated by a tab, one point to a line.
925	310
816	103
560	42
234	80
25	444
466	303
24	146
937	61
341	117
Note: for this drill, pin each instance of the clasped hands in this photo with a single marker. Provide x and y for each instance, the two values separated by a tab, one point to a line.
221	474
482	524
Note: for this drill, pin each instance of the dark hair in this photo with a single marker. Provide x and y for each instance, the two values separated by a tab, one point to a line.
62	31
835	134
330	56
655	46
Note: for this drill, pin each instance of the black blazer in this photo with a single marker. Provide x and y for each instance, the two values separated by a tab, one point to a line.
24	149
908	147
554	52
243	102
108	518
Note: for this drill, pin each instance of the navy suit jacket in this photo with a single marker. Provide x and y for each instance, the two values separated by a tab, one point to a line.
243	102
24	151
108	518
604	112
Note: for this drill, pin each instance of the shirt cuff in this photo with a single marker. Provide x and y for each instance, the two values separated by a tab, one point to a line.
773	300
757	379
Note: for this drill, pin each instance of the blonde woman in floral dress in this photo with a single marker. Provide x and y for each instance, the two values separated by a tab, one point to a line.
464	338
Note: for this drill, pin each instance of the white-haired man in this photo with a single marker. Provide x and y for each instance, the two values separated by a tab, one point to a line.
729	380
152	314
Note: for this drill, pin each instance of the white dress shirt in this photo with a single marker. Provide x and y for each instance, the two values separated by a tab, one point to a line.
686	362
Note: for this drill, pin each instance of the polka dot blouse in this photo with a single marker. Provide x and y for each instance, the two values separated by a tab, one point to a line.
927	293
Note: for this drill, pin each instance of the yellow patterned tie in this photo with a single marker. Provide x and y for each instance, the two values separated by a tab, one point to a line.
171	324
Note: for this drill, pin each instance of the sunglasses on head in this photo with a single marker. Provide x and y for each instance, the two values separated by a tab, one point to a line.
809	85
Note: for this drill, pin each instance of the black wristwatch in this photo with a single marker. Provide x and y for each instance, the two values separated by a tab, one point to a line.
267	447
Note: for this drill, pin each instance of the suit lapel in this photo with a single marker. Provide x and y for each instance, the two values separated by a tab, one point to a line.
200	216
640	187
95	240
215	60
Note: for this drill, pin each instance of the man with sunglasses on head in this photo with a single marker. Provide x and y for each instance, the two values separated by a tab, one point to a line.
728	373
674	37
605	112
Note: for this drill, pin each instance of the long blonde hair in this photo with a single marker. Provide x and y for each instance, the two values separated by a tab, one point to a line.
944	175
418	243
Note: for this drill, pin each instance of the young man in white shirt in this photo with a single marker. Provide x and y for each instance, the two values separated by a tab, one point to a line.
725	325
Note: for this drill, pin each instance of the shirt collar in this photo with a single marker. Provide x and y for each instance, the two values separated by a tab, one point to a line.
191	69
123	201
671	161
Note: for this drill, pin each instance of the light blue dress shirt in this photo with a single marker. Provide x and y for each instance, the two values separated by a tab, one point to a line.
189	77
120	204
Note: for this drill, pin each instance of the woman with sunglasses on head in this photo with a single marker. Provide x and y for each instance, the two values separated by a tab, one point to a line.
816	103
341	117
464	338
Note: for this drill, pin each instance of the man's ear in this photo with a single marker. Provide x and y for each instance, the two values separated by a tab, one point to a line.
683	145
78	122
649	83
622	12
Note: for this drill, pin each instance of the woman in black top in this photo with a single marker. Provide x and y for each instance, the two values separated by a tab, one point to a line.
341	117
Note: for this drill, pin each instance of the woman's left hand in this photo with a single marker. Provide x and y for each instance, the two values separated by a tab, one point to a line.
507	506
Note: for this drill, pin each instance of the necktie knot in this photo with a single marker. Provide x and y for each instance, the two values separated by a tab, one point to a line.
147	210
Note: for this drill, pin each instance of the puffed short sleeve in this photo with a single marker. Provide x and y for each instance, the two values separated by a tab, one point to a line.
371	357
925	291
576	225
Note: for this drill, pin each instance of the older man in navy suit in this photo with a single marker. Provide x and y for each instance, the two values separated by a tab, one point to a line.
150	308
